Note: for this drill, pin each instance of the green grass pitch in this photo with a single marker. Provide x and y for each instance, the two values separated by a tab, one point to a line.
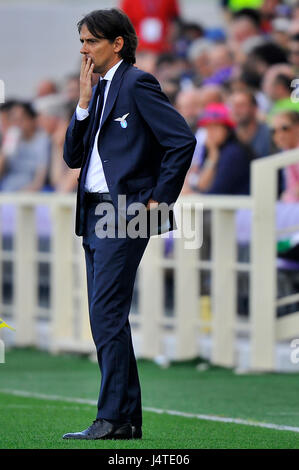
39	423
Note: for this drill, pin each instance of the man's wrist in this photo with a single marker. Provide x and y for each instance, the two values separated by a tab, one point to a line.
210	163
83	104
81	113
152	202
193	180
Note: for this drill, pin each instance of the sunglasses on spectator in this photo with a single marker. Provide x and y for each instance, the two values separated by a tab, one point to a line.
280	129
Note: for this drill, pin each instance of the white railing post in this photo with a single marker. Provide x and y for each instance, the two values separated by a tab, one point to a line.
186	286
151	299
263	262
25	276
223	286
61	276
85	330
1	261
265	329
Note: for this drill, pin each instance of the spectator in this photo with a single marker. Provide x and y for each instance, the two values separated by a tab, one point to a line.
280	93
294	53
6	118
261	58
248	128
171	89
46	87
198	56
169	67
295	11
211	94
152	21
280	33
147	61
208	94
221	64
189	104
187	33
224	166
243	27
249	66
294	27
53	117
245	24
270	76
71	92
269	10
24	168
285	128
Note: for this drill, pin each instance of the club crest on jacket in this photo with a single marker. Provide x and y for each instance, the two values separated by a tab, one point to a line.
122	120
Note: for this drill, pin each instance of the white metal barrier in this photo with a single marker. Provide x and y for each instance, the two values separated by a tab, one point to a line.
67	314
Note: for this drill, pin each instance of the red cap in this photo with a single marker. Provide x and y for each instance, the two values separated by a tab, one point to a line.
216	113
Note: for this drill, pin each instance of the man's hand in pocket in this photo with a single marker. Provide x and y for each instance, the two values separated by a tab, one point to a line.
152	204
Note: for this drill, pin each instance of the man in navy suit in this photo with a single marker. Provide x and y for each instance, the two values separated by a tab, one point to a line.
129	142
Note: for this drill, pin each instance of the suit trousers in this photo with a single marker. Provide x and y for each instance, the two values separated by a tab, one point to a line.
111	266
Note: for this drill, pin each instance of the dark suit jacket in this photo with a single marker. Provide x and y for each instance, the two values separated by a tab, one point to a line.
147	159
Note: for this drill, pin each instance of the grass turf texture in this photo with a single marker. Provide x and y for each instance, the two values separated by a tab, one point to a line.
35	423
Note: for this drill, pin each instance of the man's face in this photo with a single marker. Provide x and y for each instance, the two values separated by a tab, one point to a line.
285	133
217	133
242	29
102	52
20	119
242	109
5	121
294	53
188	103
47	123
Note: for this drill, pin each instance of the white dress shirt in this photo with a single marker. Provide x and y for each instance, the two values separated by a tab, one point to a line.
95	178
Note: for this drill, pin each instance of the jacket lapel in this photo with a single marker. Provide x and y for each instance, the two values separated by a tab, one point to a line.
113	90
112	95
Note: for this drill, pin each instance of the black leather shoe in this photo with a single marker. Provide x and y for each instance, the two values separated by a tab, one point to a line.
103	429
136	432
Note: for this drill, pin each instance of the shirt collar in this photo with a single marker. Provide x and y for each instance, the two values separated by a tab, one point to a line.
109	75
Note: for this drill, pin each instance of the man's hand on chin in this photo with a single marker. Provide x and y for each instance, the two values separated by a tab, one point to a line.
152	204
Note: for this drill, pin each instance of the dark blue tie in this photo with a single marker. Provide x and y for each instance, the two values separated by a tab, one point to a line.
99	93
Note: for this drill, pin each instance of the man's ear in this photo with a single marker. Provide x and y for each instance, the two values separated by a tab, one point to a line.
118	43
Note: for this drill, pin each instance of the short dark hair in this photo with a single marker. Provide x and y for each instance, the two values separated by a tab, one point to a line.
250	14
283	80
270	53
28	108
166	58
110	23
250	95
293	116
8	105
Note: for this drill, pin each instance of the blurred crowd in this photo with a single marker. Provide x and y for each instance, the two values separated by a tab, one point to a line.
235	85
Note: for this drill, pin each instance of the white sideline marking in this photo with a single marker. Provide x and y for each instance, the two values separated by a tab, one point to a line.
222	419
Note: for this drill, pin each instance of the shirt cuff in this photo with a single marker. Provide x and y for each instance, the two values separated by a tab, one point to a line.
81	113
